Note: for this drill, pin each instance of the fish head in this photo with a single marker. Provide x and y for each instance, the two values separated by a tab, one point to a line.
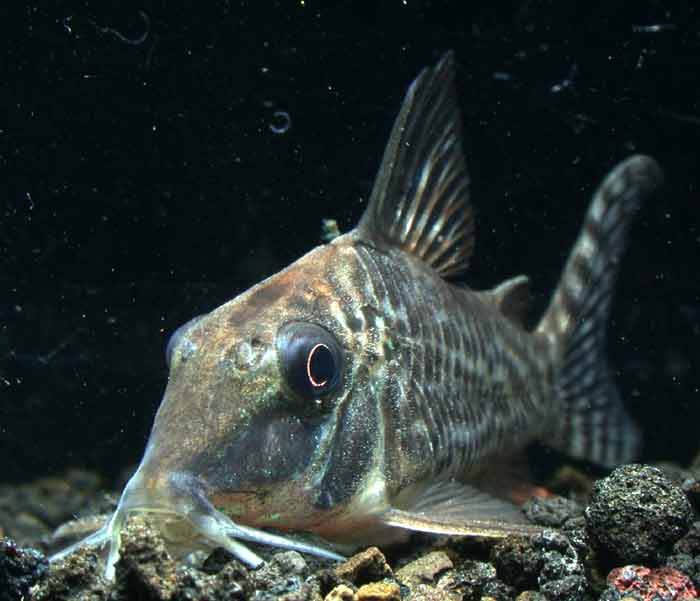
250	392
261	424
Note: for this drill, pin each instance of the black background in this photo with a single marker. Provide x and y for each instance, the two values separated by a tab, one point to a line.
144	184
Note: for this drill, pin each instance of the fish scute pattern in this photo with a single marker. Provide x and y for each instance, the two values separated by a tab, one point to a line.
464	366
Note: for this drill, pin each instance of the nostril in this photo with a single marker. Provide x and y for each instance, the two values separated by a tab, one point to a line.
244	355
249	353
177	338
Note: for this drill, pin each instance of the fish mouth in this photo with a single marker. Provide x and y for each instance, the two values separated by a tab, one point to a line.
186	520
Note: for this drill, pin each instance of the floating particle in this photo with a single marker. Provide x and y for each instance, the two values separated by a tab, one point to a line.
281	122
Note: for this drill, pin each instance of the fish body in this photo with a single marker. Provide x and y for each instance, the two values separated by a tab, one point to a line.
360	393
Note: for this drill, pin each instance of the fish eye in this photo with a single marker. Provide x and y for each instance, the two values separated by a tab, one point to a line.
176	337
310	359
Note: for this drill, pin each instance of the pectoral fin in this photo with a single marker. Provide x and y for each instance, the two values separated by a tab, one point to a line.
437	524
449	507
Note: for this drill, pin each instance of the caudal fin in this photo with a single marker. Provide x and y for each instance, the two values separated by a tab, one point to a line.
597	427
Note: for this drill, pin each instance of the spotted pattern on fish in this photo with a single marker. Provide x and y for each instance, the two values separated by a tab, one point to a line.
359	392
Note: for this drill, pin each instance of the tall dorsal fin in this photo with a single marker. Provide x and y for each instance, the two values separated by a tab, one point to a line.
420	200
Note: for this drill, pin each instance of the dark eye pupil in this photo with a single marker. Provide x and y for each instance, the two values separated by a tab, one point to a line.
311	360
320	366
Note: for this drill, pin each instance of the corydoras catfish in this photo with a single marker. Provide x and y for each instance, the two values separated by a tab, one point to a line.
360	393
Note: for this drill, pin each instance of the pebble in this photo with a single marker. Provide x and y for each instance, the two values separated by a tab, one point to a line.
661	584
530	596
215	561
328	580
497	591
145	569
576	533
291	562
690	543
569	588
424	592
517	562
546	562
551	512
20	568
562	575
688	565
425	569
691	488
636	514
340	593
368	566
76	577
469	580
379	591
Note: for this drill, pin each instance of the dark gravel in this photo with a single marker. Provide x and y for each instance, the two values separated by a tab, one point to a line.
20	568
637	508
470	580
551	512
690	543
517	562
636	514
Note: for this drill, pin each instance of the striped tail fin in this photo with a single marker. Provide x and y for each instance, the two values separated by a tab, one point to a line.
597	427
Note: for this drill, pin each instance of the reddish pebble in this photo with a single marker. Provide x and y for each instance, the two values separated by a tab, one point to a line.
667	584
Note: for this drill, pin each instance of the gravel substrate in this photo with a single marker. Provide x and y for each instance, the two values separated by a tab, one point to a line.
635	537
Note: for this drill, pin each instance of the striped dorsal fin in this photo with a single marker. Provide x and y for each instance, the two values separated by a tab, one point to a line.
420	200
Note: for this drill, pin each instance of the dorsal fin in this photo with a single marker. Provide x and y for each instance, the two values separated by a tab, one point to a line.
512	298
420	200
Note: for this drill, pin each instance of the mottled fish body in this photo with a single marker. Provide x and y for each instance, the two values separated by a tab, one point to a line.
360	394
